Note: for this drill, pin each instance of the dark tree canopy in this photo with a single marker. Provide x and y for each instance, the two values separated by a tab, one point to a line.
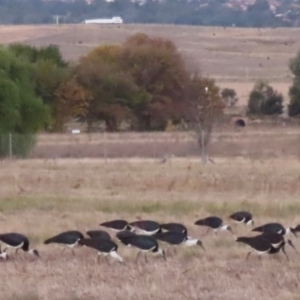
21	110
264	100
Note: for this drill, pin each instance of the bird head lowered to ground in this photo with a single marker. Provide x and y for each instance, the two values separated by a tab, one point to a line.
291	230
227	227
161	252
292	245
199	243
34	252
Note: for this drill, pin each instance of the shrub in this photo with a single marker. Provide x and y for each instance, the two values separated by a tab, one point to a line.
229	97
264	100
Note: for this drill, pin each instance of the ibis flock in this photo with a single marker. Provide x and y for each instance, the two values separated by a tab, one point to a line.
147	236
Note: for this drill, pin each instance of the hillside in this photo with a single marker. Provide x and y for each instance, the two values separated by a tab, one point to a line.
236	57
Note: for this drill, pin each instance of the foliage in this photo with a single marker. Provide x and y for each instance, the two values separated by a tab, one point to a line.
114	94
71	101
264	100
294	92
21	110
49	70
229	97
158	68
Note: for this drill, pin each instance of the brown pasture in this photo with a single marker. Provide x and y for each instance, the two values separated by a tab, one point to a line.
77	181
47	194
44	197
236	57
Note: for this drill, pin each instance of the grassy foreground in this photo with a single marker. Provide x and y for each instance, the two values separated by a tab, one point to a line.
43	197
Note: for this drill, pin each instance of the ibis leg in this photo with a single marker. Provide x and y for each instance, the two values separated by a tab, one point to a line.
137	257
106	258
283	250
146	258
73	252
248	255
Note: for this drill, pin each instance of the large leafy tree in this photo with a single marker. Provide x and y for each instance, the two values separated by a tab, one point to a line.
21	110
264	100
159	69
114	94
72	101
48	71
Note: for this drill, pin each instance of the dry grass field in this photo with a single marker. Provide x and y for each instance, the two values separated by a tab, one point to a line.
44	197
78	181
255	141
236	57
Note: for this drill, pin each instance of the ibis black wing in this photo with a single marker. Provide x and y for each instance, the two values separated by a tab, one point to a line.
259	244
171	237
142	242
67	237
146	225
98	234
213	222
115	224
270	228
274	238
123	235
102	245
15	239
241	216
174	227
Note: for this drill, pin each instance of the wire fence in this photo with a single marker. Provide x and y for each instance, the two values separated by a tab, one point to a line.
252	143
16	145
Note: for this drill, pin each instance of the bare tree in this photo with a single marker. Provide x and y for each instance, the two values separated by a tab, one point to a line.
202	110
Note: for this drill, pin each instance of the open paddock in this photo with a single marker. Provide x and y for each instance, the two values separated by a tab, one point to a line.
44	197
256	141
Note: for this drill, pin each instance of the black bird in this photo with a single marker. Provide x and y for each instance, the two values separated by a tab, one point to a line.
68	238
174	227
145	227
116	225
274	228
122	235
265	243
145	244
103	246
260	245
98	234
277	241
177	238
242	217
17	241
214	223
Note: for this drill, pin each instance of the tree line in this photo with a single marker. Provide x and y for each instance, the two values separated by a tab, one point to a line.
143	83
202	12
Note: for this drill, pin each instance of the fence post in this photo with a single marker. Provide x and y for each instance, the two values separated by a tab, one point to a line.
10	145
